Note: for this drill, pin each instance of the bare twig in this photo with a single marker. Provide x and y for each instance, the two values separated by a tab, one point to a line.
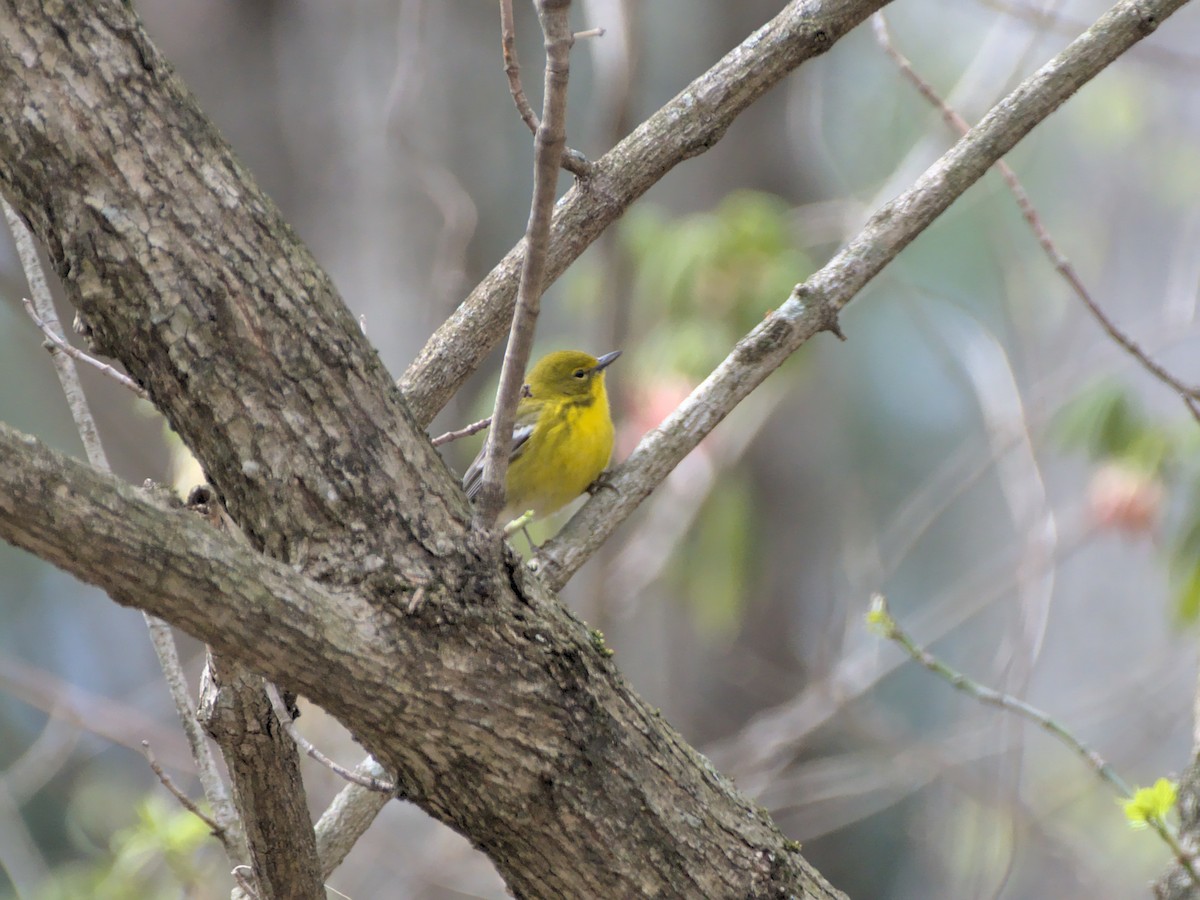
1029	212
471	429
285	719
572	160
60	343
512	68
881	619
183	798
812	306
42	308
548	148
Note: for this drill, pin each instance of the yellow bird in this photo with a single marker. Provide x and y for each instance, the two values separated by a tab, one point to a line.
562	437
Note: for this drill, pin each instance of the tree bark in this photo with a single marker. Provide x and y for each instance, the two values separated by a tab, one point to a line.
365	587
374	598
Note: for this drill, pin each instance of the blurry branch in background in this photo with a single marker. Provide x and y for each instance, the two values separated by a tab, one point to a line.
825	793
1053	21
160	632
972	347
646	553
96	714
814	305
772	739
56	343
42	760
572	160
1183	881
404	113
881	621
1190	395
549	140
687	126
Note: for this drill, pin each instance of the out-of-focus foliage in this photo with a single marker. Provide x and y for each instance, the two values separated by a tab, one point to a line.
702	281
155	857
699	282
1143	464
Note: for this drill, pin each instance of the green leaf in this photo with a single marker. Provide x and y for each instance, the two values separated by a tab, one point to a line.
1102	421
1187	596
1151	804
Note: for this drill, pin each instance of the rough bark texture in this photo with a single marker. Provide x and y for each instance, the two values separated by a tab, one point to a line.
264	770
375	599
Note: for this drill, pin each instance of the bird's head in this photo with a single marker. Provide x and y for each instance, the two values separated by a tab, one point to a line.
568	373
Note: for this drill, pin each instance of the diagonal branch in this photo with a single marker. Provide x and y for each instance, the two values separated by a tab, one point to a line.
813	305
511	725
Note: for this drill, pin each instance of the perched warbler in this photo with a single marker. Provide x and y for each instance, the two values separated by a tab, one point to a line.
562	437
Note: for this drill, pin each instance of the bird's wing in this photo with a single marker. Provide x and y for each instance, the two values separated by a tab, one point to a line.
473	477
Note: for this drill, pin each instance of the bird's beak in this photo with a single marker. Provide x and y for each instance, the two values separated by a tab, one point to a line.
606	360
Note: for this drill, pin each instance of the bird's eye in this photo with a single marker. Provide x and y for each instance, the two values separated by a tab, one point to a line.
580	373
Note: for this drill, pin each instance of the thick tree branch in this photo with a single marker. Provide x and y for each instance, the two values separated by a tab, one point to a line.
813	306
695	120
264	769
500	717
488	699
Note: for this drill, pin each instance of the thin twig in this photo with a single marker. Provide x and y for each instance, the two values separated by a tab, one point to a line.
881	619
471	429
512	68
548	149
184	799
572	160
285	719
1059	260
74	352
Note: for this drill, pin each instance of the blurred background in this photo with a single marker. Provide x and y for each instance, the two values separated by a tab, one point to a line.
979	450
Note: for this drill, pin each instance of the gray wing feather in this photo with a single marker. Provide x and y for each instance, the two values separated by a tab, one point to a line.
473	477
